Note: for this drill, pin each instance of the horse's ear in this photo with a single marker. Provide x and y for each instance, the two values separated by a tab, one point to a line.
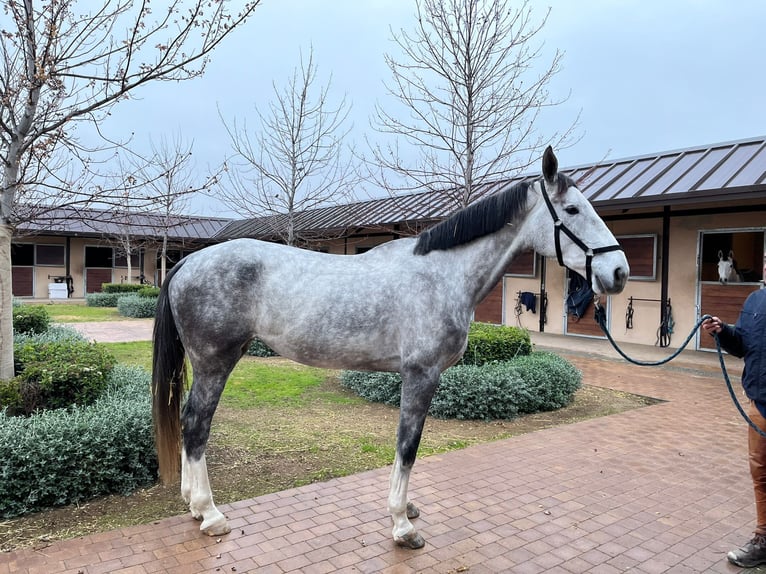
550	164
731	254
720	254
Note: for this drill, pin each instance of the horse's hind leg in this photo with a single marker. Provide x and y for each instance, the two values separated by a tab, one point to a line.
209	380
418	387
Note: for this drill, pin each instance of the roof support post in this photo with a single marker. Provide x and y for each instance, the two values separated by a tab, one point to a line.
664	339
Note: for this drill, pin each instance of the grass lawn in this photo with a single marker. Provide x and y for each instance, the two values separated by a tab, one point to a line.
79	313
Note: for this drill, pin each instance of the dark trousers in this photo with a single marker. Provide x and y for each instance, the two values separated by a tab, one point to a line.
757	451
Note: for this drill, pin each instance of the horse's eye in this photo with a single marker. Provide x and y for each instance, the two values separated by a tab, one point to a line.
572	210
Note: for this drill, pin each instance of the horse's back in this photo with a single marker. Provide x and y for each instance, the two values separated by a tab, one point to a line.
326	310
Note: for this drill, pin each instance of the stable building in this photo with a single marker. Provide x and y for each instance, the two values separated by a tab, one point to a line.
675	213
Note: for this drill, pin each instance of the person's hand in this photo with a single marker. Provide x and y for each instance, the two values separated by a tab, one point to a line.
712	325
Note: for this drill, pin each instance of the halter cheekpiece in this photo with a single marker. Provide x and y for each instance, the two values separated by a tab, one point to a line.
560	226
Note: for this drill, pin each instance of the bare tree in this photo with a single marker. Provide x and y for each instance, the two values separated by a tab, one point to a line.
168	178
66	63
468	94
124	213
296	159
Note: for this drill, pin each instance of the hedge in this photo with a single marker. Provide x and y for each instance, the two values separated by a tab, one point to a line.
121	287
500	390
102	299
66	456
136	306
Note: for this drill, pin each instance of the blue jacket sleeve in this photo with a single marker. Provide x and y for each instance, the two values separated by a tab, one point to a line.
731	341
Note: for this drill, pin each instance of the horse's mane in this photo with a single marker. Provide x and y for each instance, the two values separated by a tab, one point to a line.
477	220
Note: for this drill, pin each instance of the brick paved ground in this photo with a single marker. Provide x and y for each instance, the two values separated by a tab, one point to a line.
663	488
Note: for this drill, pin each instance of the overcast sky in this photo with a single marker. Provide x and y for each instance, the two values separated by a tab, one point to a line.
645	75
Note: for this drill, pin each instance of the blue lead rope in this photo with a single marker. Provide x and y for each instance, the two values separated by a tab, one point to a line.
601	320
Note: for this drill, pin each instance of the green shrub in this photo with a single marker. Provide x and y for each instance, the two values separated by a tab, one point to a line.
260	349
121	287
30	319
377	387
499	390
487	343
54	334
149	291
485	392
70	455
551	381
101	299
136	306
62	373
10	397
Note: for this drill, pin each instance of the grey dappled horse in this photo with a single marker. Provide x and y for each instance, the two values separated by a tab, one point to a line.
404	306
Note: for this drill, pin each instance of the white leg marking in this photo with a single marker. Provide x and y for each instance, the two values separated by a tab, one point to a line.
186	484
397	500
195	485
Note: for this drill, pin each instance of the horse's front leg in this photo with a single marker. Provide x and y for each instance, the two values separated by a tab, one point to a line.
417	390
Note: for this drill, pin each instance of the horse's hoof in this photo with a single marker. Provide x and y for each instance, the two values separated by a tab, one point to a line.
410	540
412	511
217	527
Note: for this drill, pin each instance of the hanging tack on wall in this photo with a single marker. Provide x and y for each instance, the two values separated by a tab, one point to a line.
629	314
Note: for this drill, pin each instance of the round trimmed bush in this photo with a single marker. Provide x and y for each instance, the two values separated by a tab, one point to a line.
499	390
376	387
550	382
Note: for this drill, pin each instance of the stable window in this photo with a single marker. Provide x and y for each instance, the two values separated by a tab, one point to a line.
98	257
53	255
22	254
641	253
746	248
121	260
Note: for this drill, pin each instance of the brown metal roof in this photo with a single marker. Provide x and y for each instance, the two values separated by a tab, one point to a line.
719	172
106	223
724	172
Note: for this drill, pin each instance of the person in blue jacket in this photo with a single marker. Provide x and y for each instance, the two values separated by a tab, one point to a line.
747	339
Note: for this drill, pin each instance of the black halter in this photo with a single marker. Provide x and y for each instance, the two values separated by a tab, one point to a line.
559	226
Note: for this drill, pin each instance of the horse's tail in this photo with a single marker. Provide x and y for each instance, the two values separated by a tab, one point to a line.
168	382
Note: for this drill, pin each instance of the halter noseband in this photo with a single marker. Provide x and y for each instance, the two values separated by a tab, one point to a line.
560	226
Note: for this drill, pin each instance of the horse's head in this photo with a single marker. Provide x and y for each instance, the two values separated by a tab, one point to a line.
726	270
565	226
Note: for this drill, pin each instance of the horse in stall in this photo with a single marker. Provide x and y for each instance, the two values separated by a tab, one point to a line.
404	306
727	269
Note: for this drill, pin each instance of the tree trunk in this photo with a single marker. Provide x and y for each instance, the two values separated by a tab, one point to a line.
164	259
6	304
